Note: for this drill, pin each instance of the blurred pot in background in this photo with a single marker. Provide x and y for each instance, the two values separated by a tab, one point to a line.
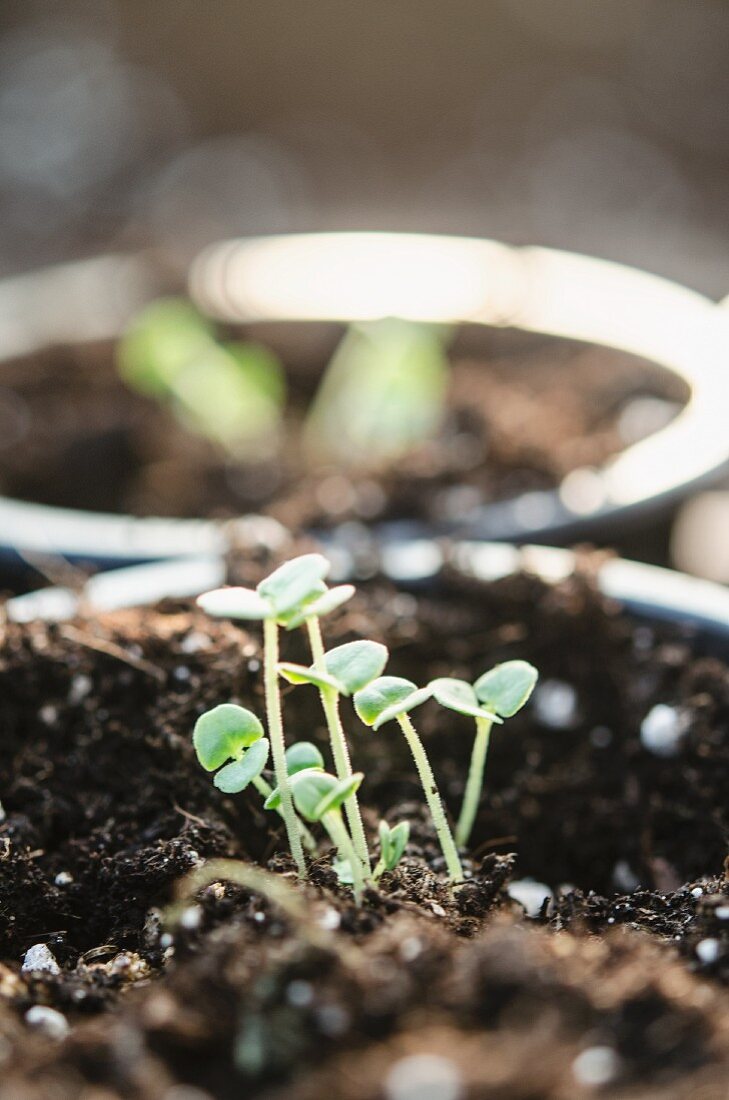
559	365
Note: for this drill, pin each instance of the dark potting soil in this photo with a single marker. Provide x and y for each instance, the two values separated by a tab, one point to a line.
522	414
615	986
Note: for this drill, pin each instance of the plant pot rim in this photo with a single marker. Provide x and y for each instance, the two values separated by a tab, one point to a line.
536	289
643	591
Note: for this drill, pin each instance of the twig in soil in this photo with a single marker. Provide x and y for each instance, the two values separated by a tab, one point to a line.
111	649
191	817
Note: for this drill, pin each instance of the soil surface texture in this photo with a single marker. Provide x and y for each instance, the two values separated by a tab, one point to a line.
586	955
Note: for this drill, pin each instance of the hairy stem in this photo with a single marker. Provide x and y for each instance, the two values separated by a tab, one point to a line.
435	804
340	749
265	789
278	745
333	822
474	784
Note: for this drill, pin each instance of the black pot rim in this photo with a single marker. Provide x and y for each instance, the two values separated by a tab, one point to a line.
541	290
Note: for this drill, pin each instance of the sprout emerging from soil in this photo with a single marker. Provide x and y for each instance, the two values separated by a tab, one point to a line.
393	841
279	600
231	393
340	671
496	695
319	796
382	394
391	698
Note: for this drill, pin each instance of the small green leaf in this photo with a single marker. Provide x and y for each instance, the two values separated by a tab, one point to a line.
289	586
338	795
328	601
303	755
382	393
300	674
343	870
393	842
236	776
223	732
386	698
459	696
300	757
356	664
235	603
506	688
160	342
310	787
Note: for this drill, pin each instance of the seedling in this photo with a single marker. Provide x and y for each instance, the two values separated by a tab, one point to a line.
231	393
496	695
382	394
340	671
392	845
279	599
229	739
319	796
231	733
392	698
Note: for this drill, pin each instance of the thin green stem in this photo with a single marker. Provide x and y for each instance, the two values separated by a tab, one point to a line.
340	749
379	870
278	745
474	784
333	822
434	800
265	789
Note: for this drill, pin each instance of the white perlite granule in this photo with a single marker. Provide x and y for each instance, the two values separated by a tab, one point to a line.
39	957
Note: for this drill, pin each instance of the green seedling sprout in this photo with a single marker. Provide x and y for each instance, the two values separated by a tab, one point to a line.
319	796
383	393
496	695
231	393
340	671
392	698
393	841
279	599
230	732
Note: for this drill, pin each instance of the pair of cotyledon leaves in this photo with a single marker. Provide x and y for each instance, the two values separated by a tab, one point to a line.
315	792
291	594
496	695
231	738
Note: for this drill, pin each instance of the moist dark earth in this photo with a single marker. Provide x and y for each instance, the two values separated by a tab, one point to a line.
616	986
522	412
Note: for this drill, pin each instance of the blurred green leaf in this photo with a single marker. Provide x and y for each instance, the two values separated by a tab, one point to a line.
383	393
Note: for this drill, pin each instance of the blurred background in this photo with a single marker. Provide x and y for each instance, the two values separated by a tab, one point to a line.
598	127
